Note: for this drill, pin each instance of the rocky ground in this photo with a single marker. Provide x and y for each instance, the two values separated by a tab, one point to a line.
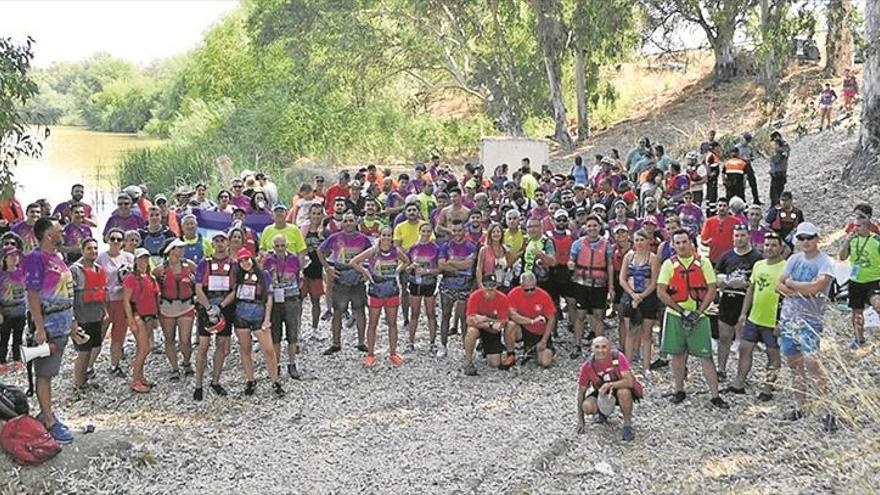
425	428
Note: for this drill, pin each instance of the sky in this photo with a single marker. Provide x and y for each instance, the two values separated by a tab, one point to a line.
140	31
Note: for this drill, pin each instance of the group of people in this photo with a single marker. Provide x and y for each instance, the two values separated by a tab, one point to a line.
514	257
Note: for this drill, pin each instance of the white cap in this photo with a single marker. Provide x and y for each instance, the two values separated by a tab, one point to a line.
140	252
174	244
806	228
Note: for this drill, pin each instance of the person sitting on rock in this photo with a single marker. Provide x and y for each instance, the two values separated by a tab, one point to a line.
606	374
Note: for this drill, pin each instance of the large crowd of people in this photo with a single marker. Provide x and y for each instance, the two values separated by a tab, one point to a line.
525	263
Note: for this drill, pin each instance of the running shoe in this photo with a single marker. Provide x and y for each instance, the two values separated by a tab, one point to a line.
140	387
90	373
628	434
765	396
722	376
442	352
219	390
370	361
659	363
117	372
396	359
198	394
576	352
793	415
719	403
730	389
678	397
175	375
362	347
470	369
61	433
250	387
333	349
188	370
410	347
327	316
856	344
293	372
279	391
829	423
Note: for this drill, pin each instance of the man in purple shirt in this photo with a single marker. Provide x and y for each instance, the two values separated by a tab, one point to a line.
285	271
50	301
74	232
25	228
64	211
123	218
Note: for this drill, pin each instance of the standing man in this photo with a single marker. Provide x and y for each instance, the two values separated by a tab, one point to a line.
123	218
50	302
64	211
25	228
717	232
734	271
804	283
592	275
296	243
455	212
456	263
488	317
686	286
778	167
338	190
406	235
757	320
784	217
75	231
90	296
747	152
286	274
864	282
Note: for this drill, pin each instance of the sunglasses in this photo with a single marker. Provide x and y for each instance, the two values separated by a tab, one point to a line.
806	237
237	187
10	243
123	204
528	291
116	239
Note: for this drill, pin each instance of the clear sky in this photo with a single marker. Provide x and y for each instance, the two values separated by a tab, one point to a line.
140	31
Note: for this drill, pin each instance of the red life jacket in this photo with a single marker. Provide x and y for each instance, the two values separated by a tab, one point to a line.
562	246
250	279
591	266
217	268
95	290
784	220
687	282
178	286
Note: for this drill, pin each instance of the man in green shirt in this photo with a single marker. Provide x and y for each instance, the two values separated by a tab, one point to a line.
687	287
296	243
757	320
427	200
528	183
863	247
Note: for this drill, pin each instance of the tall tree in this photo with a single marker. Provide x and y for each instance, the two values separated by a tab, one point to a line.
552	38
839	42
16	90
719	20
869	139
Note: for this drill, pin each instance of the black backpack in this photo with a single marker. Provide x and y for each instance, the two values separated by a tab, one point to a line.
13	402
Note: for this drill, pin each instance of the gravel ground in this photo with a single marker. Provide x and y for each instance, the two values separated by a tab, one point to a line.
425	428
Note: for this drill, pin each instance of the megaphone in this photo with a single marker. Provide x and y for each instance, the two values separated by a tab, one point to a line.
605	403
42	350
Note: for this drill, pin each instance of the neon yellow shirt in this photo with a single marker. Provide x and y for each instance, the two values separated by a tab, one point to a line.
667	269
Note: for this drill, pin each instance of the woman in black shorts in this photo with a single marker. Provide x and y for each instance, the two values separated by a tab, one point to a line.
424	257
638	279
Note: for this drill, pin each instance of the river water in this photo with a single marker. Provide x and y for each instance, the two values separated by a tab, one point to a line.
76	155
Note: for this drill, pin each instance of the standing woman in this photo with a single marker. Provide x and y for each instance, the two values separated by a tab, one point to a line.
384	262
141	303
177	311
251	291
850	89
132	241
117	264
12	304
638	279
424	257
494	257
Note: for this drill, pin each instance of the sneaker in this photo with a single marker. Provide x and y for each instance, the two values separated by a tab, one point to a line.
600	419
279	392
90	373
198	394
576	353
362	347
188	370
659	363
508	361
349	322
470	369
140	387
722	376
442	352
117	372
793	415
327	316
628	434
370	361
396	359
292	372
589	338
410	348
453	330
250	387
856	344
719	403
219	390
61	433
333	349
678	397
175	375
730	389
829	423
765	396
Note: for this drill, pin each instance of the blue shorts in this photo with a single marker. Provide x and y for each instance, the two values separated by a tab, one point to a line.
756	333
799	337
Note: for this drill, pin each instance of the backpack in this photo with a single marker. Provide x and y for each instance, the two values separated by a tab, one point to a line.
27	441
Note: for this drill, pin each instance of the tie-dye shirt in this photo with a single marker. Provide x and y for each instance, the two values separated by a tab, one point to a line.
343	247
12	293
74	234
131	222
48	274
28	238
284	271
457	251
425	256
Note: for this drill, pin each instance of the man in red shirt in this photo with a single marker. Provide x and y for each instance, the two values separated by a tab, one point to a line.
534	314
487	319
607	377
718	231
338	190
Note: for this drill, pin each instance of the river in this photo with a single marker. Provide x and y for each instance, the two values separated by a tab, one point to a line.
76	155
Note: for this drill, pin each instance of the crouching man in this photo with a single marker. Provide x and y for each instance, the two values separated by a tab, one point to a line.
487	320
607	377
533	315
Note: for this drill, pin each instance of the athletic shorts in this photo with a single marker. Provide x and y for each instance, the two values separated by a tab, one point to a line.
49	366
646	310
530	340
491	342
860	294
228	315
595	394
383	302
590	298
799	337
96	336
286	320
676	340
455	294
313	287
618	291
756	333
730	308
422	290
557	289
343	295
176	309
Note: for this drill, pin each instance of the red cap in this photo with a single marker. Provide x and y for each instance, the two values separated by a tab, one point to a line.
651	219
243	253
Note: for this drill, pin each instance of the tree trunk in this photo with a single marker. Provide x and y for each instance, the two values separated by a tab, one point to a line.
580	84
839	43
551	39
863	168
722	46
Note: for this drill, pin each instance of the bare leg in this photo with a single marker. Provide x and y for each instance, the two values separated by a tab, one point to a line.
220	352
169	327
746	350
391	319
431	310
796	363
579	321
446	306
647	343
725	339
711	375
470	343
142	332
678	362
79	367
185	326
361	319
415	306
44	398
375	313
625	399
202	359
265	339
245	349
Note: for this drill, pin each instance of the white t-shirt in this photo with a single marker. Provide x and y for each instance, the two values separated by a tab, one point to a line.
112	264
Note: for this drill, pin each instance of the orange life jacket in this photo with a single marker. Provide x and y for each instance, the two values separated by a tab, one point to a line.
591	266
735	166
178	286
562	246
687	282
95	290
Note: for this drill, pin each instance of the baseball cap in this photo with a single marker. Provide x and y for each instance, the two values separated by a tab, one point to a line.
651	219
412	199
243	253
598	206
489	280
560	215
620	228
220	233
176	243
279	206
140	252
159	198
806	228
619	202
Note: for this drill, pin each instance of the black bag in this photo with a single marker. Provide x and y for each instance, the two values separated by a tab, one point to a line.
13	402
